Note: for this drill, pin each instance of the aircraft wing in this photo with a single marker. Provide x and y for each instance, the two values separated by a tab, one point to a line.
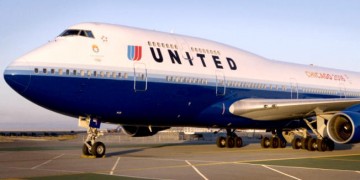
283	109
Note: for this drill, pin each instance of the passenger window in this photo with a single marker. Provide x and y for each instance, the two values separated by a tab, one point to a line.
67	72
44	71
60	71
52	71
36	70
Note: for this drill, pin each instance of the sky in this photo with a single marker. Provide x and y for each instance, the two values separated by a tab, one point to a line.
321	32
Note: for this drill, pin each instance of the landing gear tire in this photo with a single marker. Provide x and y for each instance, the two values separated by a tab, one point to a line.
221	142
312	145
238	142
274	142
330	145
98	149
283	144
304	143
265	142
296	143
85	149
230	142
321	145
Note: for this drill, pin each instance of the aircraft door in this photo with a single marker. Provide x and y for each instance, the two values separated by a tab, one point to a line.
342	91
140	77
294	89
220	84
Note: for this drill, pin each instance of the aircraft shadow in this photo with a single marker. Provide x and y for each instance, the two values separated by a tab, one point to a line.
143	147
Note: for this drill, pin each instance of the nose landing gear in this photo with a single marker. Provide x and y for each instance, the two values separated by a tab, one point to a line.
91	147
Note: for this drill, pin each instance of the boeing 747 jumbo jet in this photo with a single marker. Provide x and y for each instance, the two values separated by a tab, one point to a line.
149	81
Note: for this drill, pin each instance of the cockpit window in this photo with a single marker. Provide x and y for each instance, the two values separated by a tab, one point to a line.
89	34
77	32
82	33
70	32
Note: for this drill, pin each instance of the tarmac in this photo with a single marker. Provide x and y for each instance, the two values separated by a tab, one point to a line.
200	159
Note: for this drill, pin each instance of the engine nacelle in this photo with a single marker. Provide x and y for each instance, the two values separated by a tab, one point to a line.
344	127
140	131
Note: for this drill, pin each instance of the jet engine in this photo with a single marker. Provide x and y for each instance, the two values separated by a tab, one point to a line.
141	131
344	127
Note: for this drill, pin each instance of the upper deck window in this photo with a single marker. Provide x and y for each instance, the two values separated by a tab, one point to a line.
77	32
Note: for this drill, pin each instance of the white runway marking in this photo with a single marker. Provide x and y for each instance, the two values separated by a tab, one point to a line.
47	161
196	170
307	168
180	160
281	172
114	167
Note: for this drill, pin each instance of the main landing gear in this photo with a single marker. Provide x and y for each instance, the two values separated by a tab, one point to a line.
275	141
299	139
91	147
231	140
320	143
313	144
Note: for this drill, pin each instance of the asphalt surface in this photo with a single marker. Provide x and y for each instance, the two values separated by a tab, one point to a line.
177	160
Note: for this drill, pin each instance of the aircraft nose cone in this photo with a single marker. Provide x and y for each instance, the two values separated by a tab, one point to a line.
17	80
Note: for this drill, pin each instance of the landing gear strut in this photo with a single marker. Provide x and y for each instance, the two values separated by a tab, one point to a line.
301	139
91	147
231	140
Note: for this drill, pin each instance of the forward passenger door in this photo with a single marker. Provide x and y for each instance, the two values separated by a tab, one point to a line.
140	77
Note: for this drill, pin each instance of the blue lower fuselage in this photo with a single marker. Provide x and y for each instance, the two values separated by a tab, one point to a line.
146	102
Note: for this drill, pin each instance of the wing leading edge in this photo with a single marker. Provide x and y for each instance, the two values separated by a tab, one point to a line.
284	109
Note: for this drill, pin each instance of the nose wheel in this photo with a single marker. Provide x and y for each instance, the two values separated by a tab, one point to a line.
91	147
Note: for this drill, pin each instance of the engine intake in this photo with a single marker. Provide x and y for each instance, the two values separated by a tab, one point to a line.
344	127
140	131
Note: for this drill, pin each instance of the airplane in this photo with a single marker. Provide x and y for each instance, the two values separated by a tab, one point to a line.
149	81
